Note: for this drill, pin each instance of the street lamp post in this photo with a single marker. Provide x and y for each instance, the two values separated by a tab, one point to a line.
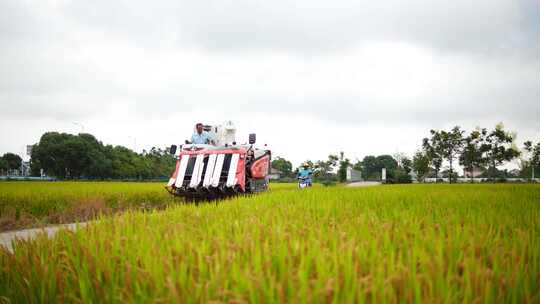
80	125
134	143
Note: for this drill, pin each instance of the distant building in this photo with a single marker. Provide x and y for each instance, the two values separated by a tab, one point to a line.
413	175
22	171
275	174
476	172
514	173
353	175
26	168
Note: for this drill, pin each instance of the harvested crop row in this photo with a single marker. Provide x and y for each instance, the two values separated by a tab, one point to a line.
26	204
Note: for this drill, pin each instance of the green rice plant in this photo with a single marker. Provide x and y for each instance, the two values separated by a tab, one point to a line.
389	244
25	204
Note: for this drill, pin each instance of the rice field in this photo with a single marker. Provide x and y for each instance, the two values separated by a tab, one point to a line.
29	204
389	244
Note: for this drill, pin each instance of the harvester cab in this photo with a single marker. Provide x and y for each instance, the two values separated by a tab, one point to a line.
219	170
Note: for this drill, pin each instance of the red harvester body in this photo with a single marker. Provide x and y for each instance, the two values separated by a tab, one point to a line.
206	172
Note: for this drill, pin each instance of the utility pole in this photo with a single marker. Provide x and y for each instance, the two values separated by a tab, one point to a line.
22	162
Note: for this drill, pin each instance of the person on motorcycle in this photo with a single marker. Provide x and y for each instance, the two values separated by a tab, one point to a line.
305	173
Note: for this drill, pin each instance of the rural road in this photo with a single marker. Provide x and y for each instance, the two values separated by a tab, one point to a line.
363	184
7	237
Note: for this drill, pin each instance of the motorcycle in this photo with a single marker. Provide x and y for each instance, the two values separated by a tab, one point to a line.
304	182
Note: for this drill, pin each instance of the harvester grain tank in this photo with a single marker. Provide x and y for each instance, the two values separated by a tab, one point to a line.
219	170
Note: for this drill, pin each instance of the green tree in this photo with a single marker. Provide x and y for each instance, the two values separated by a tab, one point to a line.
95	164
388	162
432	151
421	165
447	145
473	155
282	165
49	154
13	161
533	160
500	148
124	163
403	162
344	163
401	174
83	156
368	166
158	163
63	155
3	166
371	166
323	169
406	165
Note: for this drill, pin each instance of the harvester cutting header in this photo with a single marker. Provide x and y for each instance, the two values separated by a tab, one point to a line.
212	165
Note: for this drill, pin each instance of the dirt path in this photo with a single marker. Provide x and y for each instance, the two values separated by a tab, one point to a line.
363	184
6	238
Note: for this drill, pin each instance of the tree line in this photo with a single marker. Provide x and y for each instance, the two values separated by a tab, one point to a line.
480	152
67	156
10	162
323	170
334	168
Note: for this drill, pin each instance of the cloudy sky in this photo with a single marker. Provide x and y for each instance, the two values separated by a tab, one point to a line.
309	77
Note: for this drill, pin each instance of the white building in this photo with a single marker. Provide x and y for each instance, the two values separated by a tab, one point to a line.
353	175
274	174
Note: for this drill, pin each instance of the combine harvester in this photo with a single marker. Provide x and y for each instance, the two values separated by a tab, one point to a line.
224	169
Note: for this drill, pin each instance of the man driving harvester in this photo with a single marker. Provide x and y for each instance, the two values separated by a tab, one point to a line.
200	136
